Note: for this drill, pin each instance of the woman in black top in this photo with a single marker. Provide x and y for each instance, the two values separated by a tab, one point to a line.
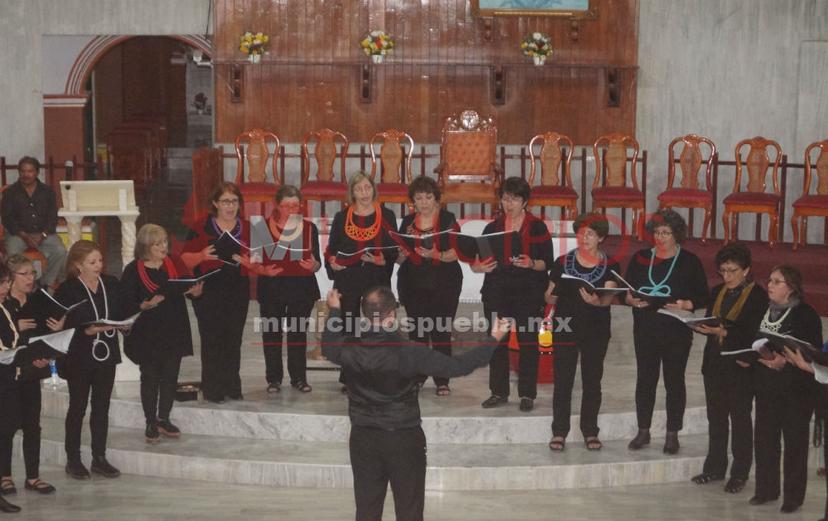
287	288
589	328
785	395
667	270
364	224
728	382
222	308
430	279
515	289
93	354
161	336
29	314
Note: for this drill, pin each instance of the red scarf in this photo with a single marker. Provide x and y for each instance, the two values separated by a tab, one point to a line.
152	287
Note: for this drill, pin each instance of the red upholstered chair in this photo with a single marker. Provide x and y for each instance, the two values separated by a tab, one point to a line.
755	199
811	205
615	193
253	153
468	169
395	165
554	189
324	187
689	194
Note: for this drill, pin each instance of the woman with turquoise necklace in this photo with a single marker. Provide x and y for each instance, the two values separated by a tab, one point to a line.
666	270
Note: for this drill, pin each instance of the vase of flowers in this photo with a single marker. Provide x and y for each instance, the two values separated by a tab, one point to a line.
537	46
376	44
253	45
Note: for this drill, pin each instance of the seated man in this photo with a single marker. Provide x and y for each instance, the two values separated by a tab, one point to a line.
29	214
384	369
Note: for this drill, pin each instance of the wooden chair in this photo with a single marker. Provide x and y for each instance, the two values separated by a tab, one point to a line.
554	189
325	187
468	172
755	199
257	192
610	152
811	205
689	194
395	165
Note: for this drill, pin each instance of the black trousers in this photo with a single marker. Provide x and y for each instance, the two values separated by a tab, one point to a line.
379	457
28	395
592	349
528	342
221	319
98	381
273	309
729	396
159	380
782	414
653	355
437	309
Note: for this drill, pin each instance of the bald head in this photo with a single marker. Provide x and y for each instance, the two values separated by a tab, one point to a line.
378	303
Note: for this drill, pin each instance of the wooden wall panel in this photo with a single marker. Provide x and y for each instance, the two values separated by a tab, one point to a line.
442	63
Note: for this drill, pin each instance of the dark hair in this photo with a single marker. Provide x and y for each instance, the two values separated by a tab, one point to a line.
735	252
594	220
516	186
378	302
288	191
5	272
423	185
221	188
28	160
671	219
77	254
793	278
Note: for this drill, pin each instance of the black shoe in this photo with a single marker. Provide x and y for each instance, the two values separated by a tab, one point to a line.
40	486
735	485
671	443
761	500
787	508
493	401
526	404
169	430
236	397
706	477
641	439
151	435
217	401
103	467
8	508
76	469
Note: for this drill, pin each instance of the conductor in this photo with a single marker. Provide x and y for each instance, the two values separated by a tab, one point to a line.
383	369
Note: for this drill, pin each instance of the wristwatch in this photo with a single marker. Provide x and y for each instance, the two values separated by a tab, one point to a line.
44	234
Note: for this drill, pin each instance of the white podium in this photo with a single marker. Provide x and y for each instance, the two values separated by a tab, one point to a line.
114	198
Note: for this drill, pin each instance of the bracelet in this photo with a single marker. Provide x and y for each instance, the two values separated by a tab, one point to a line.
533	264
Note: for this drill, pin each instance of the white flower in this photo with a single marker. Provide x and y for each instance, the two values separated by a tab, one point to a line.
537	36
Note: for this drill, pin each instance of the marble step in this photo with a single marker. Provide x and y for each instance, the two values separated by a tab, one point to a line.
326	465
321	416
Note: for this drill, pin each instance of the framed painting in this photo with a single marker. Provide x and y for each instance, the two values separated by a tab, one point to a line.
562	8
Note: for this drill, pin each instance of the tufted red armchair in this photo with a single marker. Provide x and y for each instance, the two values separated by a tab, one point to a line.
755	199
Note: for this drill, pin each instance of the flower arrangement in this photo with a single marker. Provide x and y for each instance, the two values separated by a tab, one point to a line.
537	46
253	44
376	43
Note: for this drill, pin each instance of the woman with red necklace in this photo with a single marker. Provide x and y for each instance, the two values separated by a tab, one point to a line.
430	279
287	288
161	336
364	224
222	308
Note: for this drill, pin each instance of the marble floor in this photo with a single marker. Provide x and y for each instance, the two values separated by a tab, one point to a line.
134	498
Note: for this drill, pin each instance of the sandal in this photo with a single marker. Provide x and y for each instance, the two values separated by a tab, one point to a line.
706	477
39	486
735	485
7	486
557	444
593	443
274	388
303	387
443	390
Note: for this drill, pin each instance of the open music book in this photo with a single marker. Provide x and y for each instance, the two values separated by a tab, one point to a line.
769	343
693	321
227	245
118	324
655	301
373	250
591	288
46	346
498	246
172	287
411	242
55	309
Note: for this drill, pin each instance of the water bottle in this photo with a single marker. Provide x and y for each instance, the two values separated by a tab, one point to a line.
54	379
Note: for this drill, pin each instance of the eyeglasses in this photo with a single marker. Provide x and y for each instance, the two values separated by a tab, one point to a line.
729	271
228	202
776	281
662	233
25	273
511	199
